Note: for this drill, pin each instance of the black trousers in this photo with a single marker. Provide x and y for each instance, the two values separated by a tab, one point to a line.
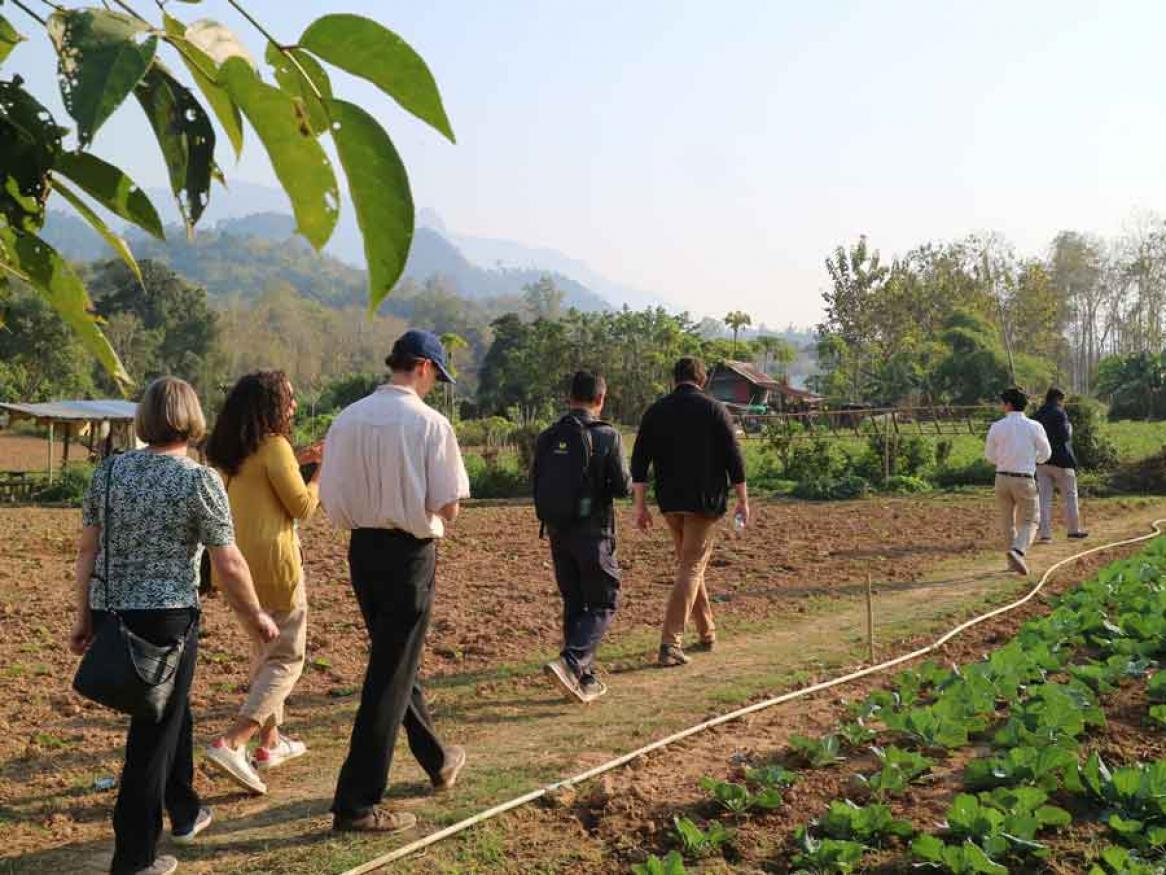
159	762
588	578
393	577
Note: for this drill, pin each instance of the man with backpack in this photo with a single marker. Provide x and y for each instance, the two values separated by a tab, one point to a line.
578	469
688	440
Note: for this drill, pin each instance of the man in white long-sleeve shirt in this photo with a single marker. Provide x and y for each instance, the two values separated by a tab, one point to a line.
1016	445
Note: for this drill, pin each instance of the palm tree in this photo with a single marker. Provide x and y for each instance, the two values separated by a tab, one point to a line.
736	320
451	343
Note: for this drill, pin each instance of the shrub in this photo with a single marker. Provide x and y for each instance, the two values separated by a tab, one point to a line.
1094	448
70	486
812	461
905	485
978	473
498	480
905	455
1144	476
493	431
832	488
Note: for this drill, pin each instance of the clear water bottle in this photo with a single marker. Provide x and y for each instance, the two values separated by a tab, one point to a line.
738	523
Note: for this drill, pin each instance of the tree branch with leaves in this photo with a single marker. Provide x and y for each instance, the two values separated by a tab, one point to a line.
105	56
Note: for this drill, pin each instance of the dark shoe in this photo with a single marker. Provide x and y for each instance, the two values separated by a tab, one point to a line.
1016	562
592	688
562	674
377	820
706	645
1045	539
447	777
200	823
671	656
1078	536
160	866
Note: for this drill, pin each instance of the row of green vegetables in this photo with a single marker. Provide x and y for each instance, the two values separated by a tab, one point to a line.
1034	703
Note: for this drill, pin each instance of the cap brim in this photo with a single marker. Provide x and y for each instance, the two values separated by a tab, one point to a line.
442	374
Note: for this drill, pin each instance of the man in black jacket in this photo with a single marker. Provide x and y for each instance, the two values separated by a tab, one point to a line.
1060	472
584	552
688	439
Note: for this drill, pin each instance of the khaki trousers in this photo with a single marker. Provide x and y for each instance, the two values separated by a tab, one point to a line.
1050	478
692	535
276	666
1016	500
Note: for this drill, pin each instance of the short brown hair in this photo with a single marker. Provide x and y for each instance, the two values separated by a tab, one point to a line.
689	369
169	413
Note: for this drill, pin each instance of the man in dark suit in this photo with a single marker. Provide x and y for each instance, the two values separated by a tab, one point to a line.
1059	473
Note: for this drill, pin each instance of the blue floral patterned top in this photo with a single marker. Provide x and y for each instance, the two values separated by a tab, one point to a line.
163	510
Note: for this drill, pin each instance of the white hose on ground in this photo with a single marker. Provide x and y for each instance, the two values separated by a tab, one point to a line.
502	808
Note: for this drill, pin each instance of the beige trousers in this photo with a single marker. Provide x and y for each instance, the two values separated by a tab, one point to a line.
1016	500
276	666
1049	479
692	535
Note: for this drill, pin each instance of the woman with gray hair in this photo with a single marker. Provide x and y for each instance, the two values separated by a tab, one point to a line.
145	520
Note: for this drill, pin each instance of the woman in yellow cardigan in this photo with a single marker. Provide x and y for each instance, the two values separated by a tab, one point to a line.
251	448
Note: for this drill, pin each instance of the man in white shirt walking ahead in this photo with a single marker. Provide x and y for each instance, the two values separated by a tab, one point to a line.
393	475
1016	445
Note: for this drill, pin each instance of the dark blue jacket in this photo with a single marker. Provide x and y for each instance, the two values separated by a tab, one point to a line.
1060	433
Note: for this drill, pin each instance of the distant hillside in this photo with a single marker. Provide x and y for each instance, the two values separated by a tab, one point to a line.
243	256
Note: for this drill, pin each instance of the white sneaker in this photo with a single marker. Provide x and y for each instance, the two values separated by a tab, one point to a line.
200	823
161	866
1016	562
285	749
237	766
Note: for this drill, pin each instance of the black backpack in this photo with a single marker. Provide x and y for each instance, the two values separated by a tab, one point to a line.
563	481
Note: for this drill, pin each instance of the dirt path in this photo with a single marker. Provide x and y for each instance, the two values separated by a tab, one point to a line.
519	732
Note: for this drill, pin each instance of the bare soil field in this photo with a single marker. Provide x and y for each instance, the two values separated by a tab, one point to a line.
496	618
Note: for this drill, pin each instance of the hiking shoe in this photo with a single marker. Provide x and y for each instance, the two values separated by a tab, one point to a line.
285	749
561	672
1077	536
1046	539
705	645
235	763
592	688
671	655
455	759
1016	562
200	823
160	866
377	820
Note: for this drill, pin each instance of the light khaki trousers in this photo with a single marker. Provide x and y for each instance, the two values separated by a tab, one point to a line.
1016	500
276	665
1050	478
692	535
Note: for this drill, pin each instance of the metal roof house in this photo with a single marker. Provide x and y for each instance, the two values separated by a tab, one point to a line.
111	420
742	384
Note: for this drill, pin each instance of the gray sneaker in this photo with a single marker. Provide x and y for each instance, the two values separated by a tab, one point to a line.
592	688
1016	562
160	866
561	672
200	823
447	777
671	655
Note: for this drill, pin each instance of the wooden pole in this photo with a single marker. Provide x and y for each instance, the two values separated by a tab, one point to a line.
870	645
50	453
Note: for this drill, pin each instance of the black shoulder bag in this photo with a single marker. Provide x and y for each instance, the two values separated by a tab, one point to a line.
121	670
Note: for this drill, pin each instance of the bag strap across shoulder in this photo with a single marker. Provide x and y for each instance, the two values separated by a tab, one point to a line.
106	525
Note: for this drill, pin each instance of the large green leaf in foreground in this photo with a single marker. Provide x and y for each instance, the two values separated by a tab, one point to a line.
379	188
110	187
27	257
100	60
297	158
365	48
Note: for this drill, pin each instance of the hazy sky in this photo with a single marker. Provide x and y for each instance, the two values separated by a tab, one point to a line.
716	152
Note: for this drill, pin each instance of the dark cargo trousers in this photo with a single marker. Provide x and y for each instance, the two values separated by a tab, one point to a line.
588	578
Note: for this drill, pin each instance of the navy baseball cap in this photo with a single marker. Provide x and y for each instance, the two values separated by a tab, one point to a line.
424	345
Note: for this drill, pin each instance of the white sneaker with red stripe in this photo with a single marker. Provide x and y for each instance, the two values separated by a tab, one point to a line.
236	765
285	749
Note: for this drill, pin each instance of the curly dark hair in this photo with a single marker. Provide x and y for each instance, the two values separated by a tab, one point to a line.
256	407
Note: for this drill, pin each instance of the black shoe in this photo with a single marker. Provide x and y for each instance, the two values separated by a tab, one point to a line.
1077	536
